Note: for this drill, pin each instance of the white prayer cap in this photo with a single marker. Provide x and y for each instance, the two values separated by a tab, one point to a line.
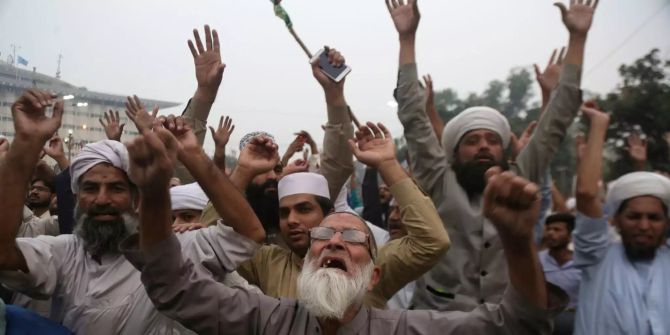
250	136
637	184
471	119
303	183
189	196
105	151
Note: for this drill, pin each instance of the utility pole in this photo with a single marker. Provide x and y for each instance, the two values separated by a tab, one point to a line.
60	58
16	69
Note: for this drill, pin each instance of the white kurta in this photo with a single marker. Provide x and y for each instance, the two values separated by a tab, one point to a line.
108	297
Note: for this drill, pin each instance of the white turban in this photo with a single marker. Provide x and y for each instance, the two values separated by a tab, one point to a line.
634	185
303	183
105	151
471	119
189	196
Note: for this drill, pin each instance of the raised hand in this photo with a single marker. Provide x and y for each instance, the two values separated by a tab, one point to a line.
637	150
307	138
373	145
180	228
429	93
137	113
334	91
512	204
30	121
548	79
222	134
54	148
152	158
580	146
259	156
298	165
597	117
405	17
186	142
208	65
113	127
579	16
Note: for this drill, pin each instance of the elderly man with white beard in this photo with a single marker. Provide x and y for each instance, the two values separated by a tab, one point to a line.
95	289
339	269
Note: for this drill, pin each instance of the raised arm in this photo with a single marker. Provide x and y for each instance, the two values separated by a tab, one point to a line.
227	199
407	258
336	160
590	235
548	79
112	125
32	129
564	103
637	151
431	111
428	163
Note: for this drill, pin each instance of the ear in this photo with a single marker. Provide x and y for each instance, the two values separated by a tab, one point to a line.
376	276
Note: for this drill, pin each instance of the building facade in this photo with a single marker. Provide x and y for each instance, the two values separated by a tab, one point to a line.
83	108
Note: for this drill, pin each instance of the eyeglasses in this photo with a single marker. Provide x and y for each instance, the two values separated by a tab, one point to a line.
348	235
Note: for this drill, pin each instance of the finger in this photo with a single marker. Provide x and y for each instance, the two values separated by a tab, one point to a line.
198	41
395	3
595	4
385	131
552	59
116	114
131	105
220	122
561	7
353	147
217	46
213	133
121	127
59	109
561	56
107	117
374	130
208	38
192	48
179	123
232	128
138	102
102	123
33	99
388	6
538	72
154	112
588	3
530	129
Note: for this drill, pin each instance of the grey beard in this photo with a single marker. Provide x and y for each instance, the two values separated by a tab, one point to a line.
328	293
103	237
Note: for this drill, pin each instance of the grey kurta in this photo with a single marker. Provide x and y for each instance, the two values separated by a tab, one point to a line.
474	269
182	292
108	297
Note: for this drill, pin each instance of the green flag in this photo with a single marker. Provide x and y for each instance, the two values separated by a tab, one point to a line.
281	13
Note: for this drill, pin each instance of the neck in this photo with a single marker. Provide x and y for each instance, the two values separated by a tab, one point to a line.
330	326
561	255
38	211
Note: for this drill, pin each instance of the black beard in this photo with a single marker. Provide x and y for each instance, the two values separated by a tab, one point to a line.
636	253
103	237
470	175
37	205
266	205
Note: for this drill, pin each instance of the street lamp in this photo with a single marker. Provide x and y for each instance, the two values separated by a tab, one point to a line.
70	143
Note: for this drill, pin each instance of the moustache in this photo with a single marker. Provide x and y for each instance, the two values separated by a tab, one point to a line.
103	210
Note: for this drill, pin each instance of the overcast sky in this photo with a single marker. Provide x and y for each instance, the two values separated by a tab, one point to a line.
139	47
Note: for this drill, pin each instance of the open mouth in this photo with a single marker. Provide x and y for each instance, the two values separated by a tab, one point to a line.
334	263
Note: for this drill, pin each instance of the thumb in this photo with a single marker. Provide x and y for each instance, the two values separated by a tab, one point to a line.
354	148
58	111
121	127
213	132
562	8
538	72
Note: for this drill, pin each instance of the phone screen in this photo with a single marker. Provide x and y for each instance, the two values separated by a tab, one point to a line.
329	69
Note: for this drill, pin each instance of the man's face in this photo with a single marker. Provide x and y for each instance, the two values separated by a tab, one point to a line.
384	194
39	196
337	274
183	216
476	152
298	213
104	210
642	224
396	227
266	184
556	235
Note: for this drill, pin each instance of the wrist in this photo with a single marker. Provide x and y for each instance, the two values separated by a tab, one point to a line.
407	38
335	98
205	94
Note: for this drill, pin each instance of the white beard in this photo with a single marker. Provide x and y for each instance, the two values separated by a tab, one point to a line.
328	293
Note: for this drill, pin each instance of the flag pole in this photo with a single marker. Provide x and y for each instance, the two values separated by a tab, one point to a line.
302	44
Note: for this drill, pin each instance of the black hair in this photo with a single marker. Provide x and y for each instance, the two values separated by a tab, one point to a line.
326	204
566	218
48	182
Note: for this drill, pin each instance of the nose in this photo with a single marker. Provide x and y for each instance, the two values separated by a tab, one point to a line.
292	219
336	242
102	198
644	224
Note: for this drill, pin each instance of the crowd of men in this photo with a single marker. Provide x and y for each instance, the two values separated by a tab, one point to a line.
153	236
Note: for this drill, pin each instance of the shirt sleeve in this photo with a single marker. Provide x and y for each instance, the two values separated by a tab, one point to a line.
218	248
428	160
408	258
336	158
186	294
43	256
591	240
513	316
562	109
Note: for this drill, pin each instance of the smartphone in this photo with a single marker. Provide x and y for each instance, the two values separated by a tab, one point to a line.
334	73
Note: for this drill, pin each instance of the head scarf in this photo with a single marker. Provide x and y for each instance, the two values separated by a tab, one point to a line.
471	119
105	151
637	184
